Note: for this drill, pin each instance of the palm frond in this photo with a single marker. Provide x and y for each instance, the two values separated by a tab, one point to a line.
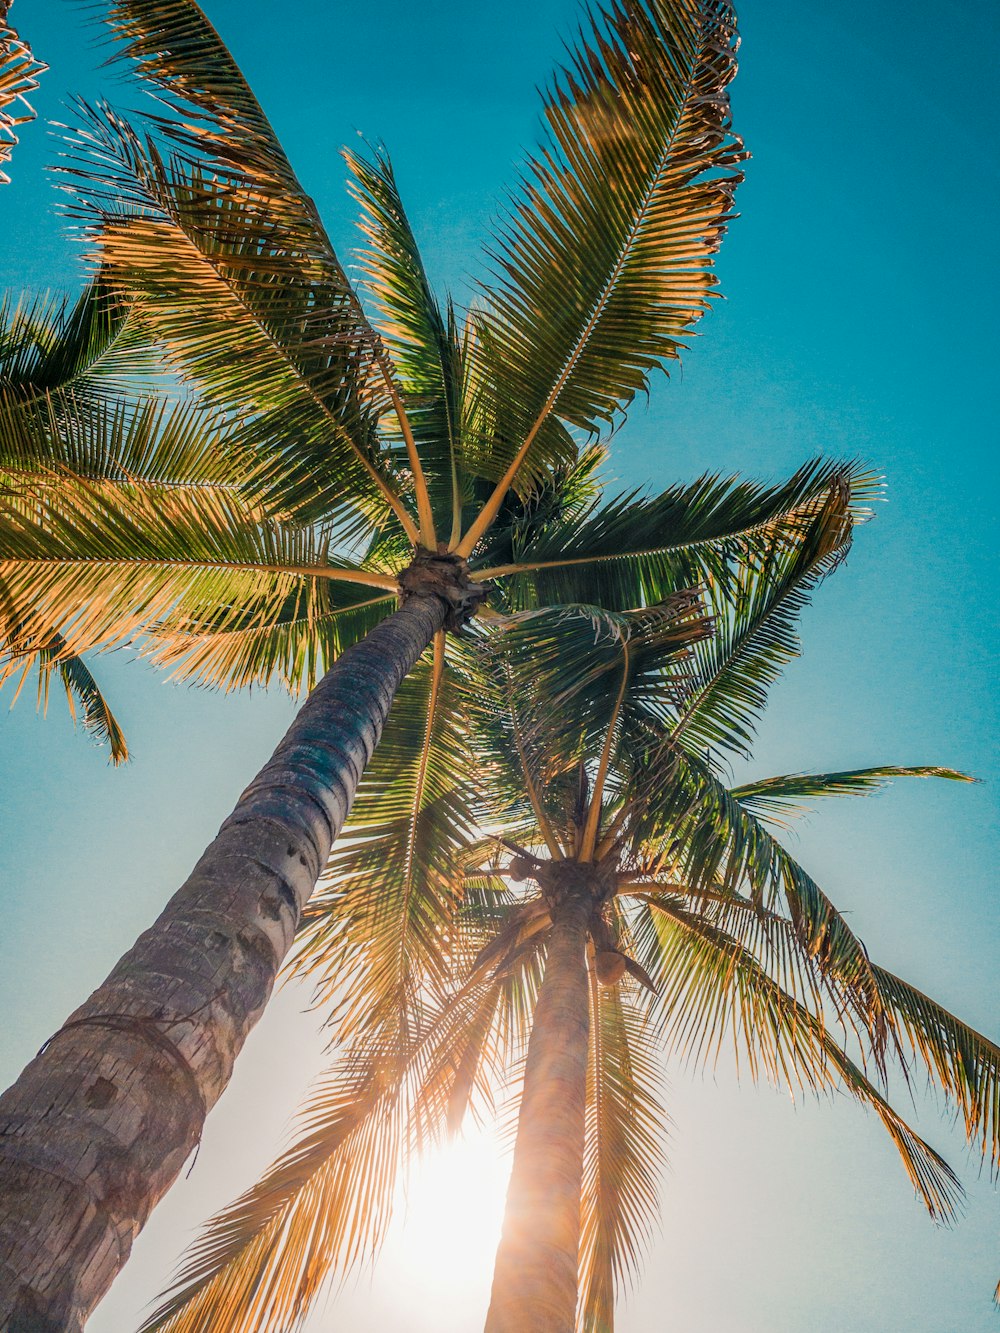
692	822
623	1155
422	342
324	1205
51	657
959	1060
260	320
605	264
757	628
634	550
19	71
777	799
94	346
711	987
102	561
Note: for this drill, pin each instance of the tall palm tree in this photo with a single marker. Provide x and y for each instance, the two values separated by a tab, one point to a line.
418	456
19	71
660	915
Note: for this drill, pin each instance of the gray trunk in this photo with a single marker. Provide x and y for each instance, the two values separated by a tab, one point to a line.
535	1277
100	1123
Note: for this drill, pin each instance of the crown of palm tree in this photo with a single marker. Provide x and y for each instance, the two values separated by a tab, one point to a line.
349	443
600	744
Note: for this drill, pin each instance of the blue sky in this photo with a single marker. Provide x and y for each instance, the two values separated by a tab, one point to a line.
860	319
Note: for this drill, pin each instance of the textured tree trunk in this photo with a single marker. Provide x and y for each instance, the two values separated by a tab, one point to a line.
535	1276
100	1123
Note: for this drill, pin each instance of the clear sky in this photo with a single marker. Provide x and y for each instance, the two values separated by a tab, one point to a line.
862	294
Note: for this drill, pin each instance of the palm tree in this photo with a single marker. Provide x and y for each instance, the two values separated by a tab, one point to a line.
665	917
19	71
418	457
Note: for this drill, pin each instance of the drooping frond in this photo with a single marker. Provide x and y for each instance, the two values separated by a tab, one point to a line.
697	825
779	799
82	690
324	1205
19	71
624	1153
605	263
712	989
963	1063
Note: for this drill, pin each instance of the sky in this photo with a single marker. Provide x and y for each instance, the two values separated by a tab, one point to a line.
860	320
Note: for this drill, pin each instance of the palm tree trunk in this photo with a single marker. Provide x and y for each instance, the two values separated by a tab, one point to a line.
535	1277
100	1123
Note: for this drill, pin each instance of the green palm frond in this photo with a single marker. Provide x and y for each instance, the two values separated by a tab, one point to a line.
757	629
267	328
624	1154
174	49
94	346
62	444
292	640
51	657
711	988
698	825
423	342
102	562
605	263
963	1063
19	71
636	549
780	798
574	662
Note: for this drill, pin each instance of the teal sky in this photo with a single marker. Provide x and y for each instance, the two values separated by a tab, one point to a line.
862	290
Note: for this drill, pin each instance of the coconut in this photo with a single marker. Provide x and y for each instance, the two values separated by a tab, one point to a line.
610	967
521	867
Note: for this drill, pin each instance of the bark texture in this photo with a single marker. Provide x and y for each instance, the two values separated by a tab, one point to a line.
535	1277
100	1123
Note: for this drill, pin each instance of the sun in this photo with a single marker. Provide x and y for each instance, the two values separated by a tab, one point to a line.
448	1220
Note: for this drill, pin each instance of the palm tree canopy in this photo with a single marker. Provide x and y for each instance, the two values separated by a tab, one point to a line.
600	741
355	430
339	434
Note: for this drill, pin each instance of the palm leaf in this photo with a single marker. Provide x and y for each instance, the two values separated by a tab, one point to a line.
605	264
634	550
19	71
324	1205
422	342
94	346
757	629
257	316
623	1156
82	690
103	561
778	798
710	985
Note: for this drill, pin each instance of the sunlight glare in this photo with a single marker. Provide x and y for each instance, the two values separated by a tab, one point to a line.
449	1219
